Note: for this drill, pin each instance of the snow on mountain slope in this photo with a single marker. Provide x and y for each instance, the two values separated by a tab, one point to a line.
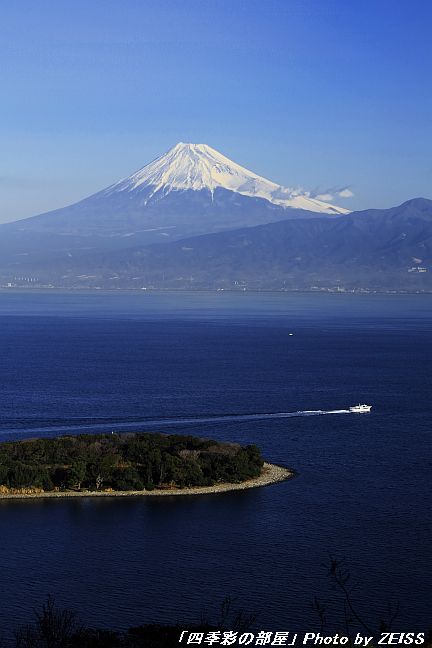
199	167
189	191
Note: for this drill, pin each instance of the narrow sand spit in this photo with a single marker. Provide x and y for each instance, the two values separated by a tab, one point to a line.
271	474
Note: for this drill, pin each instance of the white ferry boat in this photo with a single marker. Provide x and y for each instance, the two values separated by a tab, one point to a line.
360	409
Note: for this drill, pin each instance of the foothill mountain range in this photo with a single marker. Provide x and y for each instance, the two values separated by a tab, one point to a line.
193	219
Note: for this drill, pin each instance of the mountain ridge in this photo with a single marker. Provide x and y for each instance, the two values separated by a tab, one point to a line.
370	250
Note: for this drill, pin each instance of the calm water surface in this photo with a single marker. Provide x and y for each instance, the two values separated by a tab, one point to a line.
71	362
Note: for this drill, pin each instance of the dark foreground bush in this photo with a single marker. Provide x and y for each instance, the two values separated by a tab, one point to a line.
54	627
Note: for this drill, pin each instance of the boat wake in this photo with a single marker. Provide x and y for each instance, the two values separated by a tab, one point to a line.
103	425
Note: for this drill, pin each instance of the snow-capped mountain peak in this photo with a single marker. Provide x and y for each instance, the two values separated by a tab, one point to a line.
200	167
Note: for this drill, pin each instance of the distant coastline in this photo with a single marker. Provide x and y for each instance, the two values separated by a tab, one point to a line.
335	290
271	474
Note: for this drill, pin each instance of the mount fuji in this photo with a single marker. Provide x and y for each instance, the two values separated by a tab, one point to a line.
198	167
190	190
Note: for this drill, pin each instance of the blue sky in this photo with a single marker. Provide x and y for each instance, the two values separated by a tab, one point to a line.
317	93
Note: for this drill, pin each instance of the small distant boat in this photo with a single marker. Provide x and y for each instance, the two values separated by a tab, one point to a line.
360	409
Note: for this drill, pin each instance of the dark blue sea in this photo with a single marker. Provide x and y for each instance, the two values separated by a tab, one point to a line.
73	362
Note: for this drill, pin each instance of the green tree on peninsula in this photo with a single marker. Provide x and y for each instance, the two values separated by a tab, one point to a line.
124	462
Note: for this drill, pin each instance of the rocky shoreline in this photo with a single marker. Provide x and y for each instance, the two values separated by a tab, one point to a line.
271	474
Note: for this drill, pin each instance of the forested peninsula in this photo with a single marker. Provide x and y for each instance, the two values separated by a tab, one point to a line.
130	463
